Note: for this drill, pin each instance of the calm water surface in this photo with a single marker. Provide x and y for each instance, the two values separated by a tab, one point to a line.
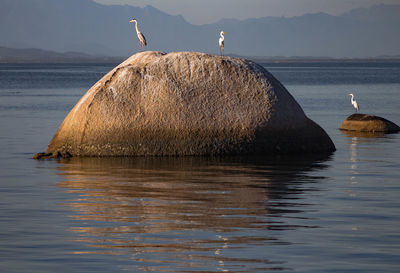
292	214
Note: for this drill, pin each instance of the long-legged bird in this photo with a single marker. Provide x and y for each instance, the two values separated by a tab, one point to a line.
142	39
221	42
354	102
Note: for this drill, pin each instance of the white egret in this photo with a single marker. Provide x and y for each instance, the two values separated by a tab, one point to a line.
221	42
354	102
142	39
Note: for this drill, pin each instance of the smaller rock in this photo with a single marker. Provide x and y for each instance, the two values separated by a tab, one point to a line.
368	123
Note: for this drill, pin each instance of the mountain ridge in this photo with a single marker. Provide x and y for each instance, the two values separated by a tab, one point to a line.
36	55
95	29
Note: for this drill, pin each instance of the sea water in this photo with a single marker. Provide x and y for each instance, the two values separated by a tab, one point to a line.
339	213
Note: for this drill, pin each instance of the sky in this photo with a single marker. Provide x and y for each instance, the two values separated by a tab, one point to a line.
210	11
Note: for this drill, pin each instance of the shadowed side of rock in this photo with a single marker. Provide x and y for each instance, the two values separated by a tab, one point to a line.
187	103
368	123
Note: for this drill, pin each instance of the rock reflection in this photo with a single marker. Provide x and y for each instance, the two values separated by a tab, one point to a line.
182	214
363	136
355	140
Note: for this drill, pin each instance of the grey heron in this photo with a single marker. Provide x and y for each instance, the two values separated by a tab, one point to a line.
354	102
221	42
142	39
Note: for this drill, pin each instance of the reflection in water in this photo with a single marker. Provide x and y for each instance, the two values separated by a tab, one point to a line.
365	136
356	139
185	214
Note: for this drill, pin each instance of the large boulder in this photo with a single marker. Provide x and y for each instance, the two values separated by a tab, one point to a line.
187	103
368	123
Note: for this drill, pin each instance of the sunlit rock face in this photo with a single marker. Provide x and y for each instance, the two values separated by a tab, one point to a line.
187	103
368	123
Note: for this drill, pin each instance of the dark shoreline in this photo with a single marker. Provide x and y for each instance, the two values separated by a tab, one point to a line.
260	60
326	60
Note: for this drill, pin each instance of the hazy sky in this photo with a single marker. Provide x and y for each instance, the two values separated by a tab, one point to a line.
210	11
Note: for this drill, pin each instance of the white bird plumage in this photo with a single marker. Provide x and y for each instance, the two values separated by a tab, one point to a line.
221	42
354	102
142	39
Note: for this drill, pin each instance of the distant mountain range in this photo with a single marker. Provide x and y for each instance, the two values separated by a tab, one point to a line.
34	55
99	30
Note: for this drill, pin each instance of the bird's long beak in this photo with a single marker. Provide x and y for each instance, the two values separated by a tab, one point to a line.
131	21
224	32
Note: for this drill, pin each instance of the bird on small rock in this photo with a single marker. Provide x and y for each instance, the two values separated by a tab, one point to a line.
354	102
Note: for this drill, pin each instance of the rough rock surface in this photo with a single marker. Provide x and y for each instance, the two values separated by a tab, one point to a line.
187	103
368	123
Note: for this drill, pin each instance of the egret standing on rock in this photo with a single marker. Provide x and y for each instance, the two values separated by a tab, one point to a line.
354	102
221	42
142	39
